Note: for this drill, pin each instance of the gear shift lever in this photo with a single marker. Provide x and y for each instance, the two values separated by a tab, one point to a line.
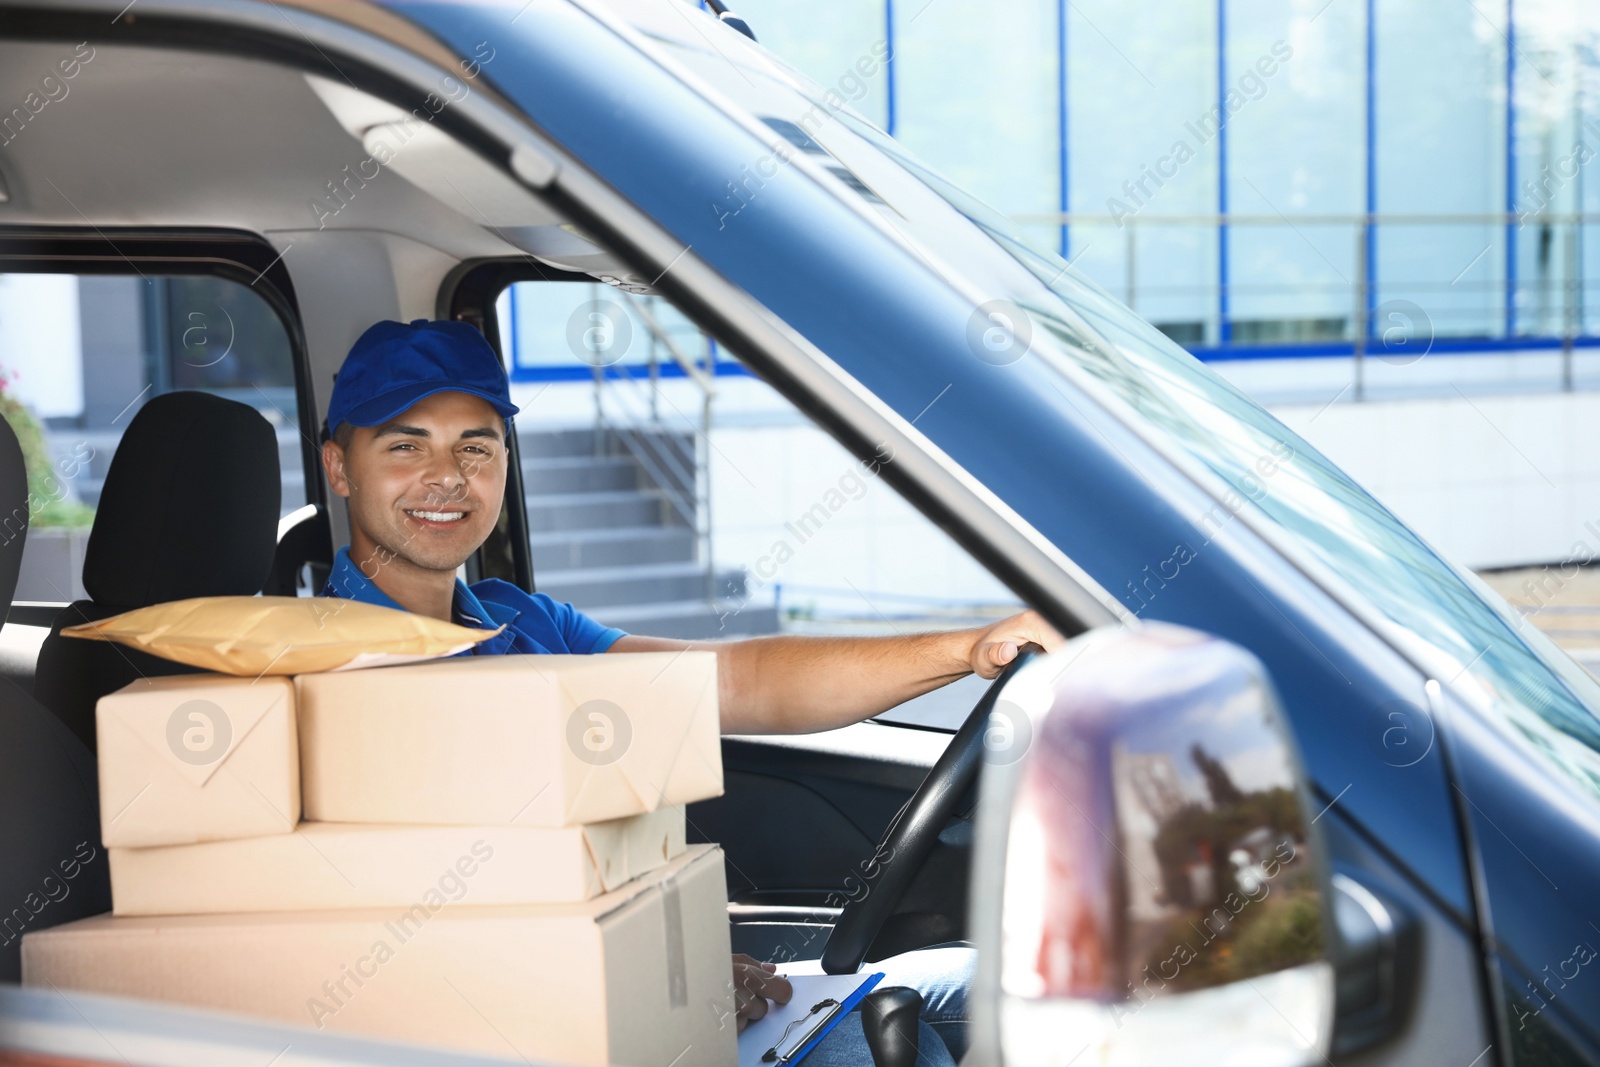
889	1019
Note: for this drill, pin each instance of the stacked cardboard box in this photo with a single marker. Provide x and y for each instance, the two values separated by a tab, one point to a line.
492	856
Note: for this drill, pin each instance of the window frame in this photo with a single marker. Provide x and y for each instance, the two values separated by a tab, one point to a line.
468	294
232	255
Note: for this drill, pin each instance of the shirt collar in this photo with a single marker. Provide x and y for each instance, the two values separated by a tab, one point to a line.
346	580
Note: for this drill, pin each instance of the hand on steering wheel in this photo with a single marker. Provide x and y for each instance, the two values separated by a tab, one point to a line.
911	836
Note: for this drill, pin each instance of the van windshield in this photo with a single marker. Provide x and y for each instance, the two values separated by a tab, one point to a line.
1532	686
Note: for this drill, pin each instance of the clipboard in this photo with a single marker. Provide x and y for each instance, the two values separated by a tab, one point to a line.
788	1034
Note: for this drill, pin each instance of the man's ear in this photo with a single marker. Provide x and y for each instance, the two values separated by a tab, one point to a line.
333	467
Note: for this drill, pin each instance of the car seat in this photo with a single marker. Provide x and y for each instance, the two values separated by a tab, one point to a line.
189	508
52	866
305	538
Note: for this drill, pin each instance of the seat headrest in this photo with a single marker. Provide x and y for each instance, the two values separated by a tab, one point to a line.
15	514
189	507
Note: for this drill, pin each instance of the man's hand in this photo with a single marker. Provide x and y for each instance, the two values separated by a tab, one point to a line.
997	646
755	983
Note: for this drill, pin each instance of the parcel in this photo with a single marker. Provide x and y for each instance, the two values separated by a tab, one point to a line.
357	865
636	977
197	757
529	740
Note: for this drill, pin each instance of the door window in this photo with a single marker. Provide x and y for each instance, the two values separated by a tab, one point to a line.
673	494
80	354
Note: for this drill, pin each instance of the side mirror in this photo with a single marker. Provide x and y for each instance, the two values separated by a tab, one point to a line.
1147	878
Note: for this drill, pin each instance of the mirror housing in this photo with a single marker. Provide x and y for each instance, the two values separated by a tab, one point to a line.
1148	878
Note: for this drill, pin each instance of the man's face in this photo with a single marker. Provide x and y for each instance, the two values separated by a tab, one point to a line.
427	485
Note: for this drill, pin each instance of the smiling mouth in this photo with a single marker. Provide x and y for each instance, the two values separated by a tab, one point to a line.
437	517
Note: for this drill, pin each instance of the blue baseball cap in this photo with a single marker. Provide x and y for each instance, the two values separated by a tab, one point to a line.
395	364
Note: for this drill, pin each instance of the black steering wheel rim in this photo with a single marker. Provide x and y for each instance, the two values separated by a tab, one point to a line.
912	834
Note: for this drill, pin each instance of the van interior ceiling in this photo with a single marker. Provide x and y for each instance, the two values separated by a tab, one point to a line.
290	154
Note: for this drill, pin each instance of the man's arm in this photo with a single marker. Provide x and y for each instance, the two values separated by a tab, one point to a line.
794	684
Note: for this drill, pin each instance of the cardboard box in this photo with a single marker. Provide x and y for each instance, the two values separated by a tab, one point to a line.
499	740
197	757
357	865
638	977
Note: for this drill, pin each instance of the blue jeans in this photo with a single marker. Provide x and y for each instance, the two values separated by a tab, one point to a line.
942	976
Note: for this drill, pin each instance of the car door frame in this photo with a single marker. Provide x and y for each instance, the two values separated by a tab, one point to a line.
238	256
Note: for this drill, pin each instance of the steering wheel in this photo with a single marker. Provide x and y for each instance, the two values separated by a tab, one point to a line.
914	831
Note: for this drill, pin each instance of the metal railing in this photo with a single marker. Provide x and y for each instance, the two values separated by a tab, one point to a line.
629	406
1526	288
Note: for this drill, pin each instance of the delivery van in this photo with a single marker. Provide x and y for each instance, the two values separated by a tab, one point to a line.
1298	789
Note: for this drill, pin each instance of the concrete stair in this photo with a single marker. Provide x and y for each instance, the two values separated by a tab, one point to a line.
605	509
692	619
606	537
579	474
565	550
630	583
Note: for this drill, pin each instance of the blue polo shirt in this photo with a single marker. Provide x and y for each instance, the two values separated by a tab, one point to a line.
534	623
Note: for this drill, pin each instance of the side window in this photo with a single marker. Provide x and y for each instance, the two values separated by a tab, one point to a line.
79	355
673	494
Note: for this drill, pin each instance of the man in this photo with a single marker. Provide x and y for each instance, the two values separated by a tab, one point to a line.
419	423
